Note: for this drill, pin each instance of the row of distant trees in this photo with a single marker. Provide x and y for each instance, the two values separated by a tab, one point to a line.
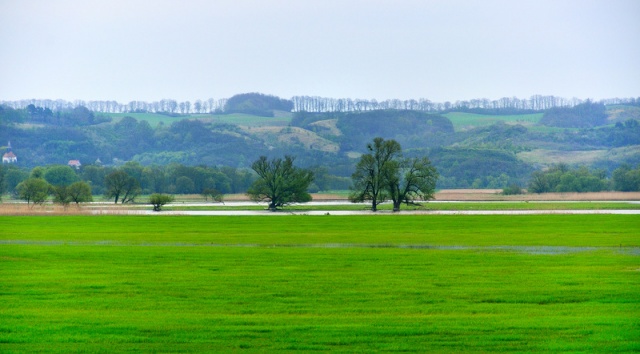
132	179
121	185
173	178
162	106
381	174
534	103
561	178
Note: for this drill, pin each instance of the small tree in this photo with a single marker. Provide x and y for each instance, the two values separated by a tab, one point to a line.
279	182
37	172
159	200
61	195
80	192
34	190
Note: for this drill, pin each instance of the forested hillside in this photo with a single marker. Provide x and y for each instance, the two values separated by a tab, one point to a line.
472	145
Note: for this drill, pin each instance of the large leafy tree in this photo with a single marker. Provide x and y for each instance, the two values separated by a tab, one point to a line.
370	179
34	190
77	192
80	192
384	174
280	182
119	184
60	175
413	179
61	195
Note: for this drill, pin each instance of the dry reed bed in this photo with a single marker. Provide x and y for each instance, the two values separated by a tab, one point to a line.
16	209
495	195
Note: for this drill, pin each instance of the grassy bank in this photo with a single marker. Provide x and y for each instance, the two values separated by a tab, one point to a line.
472	230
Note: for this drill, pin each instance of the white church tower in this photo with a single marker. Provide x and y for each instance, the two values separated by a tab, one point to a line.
9	156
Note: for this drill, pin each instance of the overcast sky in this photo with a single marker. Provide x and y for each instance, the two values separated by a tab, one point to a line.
445	50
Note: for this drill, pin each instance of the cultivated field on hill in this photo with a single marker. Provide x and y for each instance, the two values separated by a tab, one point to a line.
356	283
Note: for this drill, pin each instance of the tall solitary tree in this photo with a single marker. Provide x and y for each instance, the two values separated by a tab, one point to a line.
384	174
279	182
372	171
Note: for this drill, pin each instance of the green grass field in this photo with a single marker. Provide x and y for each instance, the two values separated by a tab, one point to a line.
330	283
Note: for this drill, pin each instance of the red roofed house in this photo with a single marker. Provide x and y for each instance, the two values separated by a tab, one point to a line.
74	163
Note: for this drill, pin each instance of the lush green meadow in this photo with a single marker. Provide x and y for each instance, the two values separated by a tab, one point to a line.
303	283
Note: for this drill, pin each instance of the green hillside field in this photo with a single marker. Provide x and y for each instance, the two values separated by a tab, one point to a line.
152	118
460	120
279	119
464	121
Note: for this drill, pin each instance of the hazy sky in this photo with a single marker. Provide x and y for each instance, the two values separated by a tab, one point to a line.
441	50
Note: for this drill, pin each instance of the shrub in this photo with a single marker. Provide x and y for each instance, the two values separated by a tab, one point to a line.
158	200
512	190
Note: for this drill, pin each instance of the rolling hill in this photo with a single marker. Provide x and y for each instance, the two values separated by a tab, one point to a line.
467	148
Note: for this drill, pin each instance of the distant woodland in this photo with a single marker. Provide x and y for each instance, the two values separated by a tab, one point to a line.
257	102
473	144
